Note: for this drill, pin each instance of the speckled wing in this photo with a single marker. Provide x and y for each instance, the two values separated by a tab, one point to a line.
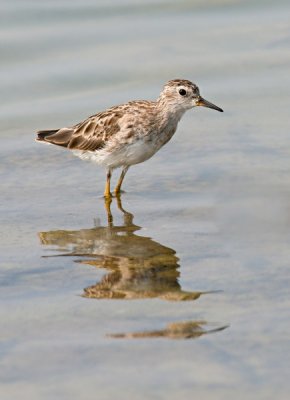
89	135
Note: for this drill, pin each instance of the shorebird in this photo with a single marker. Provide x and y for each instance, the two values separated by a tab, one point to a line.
129	133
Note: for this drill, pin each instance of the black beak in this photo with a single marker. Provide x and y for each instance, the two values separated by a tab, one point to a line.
204	103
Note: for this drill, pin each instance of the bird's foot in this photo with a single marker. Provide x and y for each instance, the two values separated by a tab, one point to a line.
118	193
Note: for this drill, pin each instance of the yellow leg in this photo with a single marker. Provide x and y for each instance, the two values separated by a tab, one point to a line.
107	193
117	190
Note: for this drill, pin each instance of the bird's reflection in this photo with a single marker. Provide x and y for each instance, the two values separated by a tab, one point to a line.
175	330
137	266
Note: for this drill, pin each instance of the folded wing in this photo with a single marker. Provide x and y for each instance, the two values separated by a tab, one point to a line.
89	135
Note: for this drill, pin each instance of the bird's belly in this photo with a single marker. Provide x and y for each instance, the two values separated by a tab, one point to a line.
126	155
131	154
140	151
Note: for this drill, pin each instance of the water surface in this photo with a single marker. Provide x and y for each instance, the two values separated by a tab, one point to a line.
197	249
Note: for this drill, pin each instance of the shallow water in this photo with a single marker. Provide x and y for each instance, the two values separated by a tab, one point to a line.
198	248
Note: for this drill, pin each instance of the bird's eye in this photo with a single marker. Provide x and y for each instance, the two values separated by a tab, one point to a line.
182	92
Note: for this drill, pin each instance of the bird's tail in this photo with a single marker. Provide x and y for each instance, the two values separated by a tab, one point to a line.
42	135
59	137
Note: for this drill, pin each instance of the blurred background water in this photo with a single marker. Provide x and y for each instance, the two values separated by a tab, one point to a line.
92	309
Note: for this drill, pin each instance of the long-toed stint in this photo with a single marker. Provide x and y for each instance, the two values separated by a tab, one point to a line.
130	133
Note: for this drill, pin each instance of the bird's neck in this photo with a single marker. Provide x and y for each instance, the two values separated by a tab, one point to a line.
169	113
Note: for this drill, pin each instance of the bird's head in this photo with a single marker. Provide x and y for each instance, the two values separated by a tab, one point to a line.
183	95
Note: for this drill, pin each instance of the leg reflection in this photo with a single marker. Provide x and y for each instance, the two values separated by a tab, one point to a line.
137	266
